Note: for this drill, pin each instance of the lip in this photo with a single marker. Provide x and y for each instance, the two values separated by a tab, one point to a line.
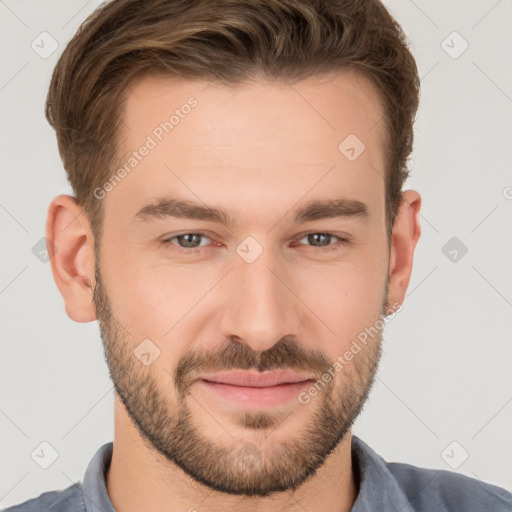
256	389
257	379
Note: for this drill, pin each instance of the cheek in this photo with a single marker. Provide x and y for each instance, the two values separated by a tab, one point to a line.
347	297
150	299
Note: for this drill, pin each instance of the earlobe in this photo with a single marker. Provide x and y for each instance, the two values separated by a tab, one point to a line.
406	233
72	259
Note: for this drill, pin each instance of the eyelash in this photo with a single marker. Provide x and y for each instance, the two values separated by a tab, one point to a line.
341	241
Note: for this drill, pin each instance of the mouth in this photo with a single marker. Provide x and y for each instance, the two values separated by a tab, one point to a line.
256	389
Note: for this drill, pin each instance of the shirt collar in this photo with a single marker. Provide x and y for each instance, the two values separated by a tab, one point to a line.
94	485
377	485
378	488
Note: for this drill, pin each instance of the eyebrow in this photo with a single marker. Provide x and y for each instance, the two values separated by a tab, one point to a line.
314	210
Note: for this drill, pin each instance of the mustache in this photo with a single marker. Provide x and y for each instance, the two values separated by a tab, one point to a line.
286	354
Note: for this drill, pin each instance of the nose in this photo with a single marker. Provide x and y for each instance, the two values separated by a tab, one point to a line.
260	306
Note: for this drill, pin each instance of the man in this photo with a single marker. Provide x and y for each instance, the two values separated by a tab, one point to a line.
239	231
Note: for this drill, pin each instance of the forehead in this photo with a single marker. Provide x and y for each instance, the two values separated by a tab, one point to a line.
329	105
219	142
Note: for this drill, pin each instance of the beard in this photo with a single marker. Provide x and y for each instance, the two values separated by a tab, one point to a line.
236	466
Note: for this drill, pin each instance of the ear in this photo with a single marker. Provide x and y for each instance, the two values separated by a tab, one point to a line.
71	249
405	235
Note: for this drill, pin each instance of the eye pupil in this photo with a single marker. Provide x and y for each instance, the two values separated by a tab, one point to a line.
315	238
189	239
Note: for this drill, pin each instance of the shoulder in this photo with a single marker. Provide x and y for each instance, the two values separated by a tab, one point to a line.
69	499
447	490
399	486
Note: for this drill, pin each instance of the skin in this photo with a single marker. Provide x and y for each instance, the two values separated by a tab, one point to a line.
260	151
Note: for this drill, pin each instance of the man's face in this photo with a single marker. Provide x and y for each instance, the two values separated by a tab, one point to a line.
180	300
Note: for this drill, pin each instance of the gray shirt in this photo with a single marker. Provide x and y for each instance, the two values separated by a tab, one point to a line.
383	487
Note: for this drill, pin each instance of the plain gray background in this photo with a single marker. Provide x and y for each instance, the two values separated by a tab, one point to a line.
444	387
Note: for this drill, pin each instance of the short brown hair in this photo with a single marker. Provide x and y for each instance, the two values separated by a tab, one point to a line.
230	41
